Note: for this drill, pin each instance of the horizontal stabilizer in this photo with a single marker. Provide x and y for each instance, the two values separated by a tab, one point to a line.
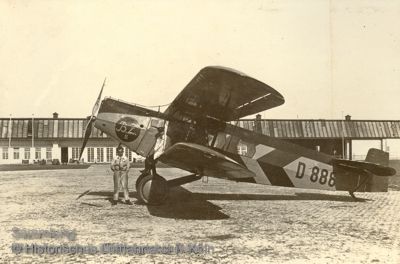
363	167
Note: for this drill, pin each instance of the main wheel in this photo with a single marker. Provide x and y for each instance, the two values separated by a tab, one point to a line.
151	189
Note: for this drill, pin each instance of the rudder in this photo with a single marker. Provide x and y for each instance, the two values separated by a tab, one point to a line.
377	183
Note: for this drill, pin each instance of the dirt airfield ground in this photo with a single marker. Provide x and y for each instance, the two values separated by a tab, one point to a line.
241	222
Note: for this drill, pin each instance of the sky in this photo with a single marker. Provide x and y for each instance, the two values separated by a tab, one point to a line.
327	58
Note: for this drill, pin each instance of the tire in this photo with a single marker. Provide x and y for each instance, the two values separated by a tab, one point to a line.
141	176
152	190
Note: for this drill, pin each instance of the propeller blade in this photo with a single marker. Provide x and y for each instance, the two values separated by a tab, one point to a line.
89	125
97	104
88	131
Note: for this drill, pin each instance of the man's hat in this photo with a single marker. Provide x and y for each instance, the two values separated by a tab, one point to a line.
120	148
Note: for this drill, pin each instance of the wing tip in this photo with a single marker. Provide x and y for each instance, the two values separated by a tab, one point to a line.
236	72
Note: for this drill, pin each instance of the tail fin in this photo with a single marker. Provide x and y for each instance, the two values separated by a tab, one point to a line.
377	156
377	183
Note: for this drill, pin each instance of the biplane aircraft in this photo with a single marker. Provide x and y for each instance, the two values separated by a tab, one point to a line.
198	133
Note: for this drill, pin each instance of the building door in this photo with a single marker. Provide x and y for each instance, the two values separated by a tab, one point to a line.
64	155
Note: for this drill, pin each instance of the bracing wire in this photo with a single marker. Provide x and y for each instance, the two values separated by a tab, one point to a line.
152	106
144	106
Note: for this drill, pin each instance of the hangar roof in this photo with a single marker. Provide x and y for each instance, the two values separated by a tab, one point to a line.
48	128
321	128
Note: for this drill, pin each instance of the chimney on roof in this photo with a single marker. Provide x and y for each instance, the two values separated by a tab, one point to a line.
348	117
55	115
257	124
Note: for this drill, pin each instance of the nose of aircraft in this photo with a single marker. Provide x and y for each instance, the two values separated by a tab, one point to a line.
127	129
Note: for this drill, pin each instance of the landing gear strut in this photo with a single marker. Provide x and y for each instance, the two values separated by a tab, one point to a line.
152	188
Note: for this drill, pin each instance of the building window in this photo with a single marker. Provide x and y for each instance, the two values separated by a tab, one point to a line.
100	155
49	155
38	154
90	154
30	129
110	154
27	153
5	153
128	154
16	153
75	153
246	149
242	150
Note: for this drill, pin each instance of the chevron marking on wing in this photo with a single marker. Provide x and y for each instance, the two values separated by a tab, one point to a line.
262	150
254	166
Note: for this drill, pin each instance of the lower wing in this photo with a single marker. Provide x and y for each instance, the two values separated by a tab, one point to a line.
205	161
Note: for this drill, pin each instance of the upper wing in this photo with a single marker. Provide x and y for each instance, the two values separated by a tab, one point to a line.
223	94
205	161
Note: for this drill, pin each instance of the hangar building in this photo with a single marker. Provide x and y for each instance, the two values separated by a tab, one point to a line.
333	137
26	140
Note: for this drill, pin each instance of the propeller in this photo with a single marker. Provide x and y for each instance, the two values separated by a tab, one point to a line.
89	126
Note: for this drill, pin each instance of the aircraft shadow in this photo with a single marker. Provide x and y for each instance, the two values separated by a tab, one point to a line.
279	197
180	205
183	204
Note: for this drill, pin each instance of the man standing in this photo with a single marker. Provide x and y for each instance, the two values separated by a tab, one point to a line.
120	167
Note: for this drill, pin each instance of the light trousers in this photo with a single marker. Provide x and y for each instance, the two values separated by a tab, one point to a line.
121	180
